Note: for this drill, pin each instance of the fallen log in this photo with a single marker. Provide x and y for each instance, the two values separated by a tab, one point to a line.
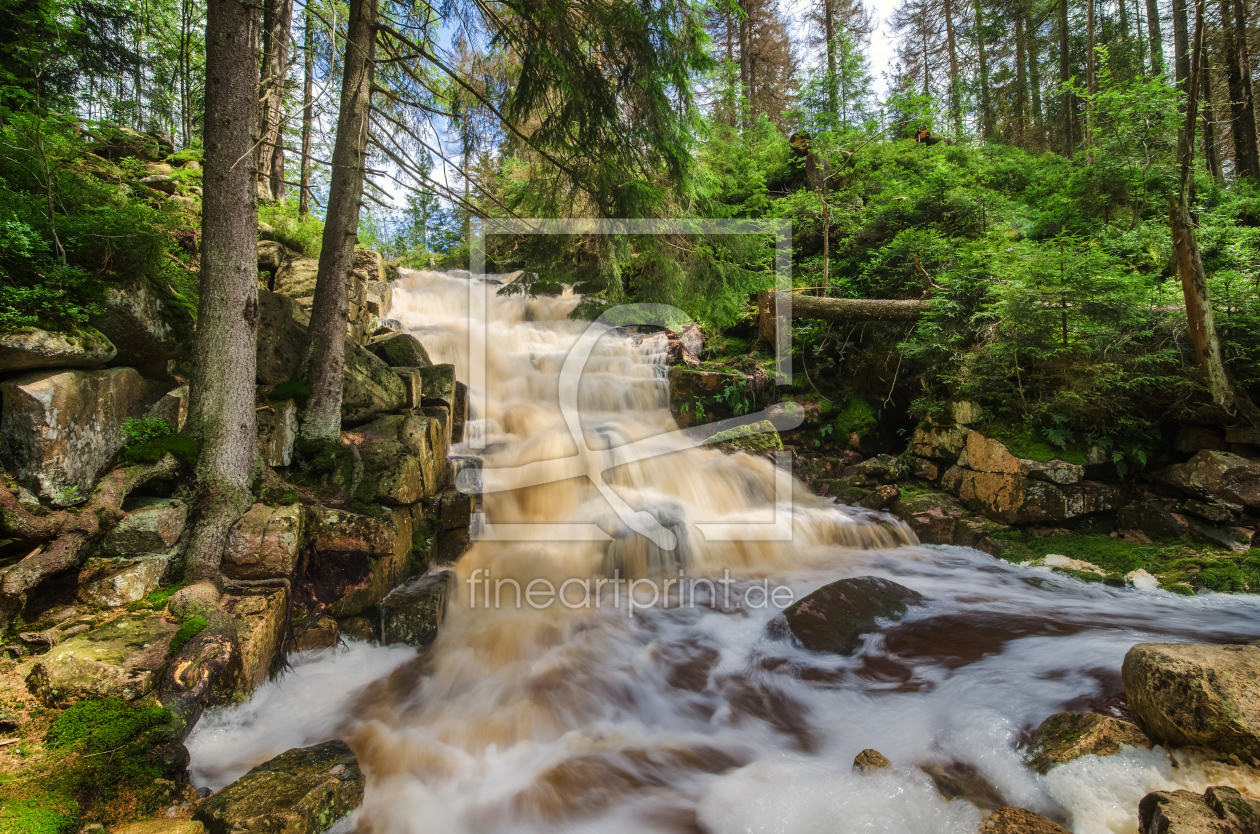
834	309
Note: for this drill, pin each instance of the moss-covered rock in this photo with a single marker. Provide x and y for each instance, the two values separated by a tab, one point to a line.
119	659
1215	475
302	791
369	386
412	614
833	618
25	348
401	350
759	438
1066	736
1220	810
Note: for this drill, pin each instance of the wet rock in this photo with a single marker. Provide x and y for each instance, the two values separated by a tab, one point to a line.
1066	736
448	546
320	634
302	791
1191	439
277	432
369	386
111	583
1141	579
932	515
1151	520
151	525
59	429
451	508
870	760
358	628
1220	810
413	613
406	457
25	348
172	407
353	561
260	621
1012	820
148	328
1197	695
401	350
439	386
833	618
1215	475
1058	560
959	779
693	394
264	543
119	659
282	338
938	442
459	412
760	438
160	826
881	498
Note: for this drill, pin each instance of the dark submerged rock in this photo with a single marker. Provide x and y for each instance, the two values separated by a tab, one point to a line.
833	618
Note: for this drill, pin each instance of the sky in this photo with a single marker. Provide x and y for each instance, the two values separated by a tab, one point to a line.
880	53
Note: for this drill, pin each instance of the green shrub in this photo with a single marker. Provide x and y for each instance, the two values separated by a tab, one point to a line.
184	448
302	236
145	428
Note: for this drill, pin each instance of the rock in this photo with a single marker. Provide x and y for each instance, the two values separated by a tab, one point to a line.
302	791
881	498
684	347
1242	433
984	454
24	348
151	525
1054	471
160	183
271	254
414	383
926	469
833	618
760	438
448	546
1014	499
295	276
1141	580
1215	475
380	295
148	328
115	142
369	386
264	543
1191	439
282	338
1057	560
966	413
869	761
1216	511
938	443
413	613
277	431
370	262
459	412
173	408
400	350
1197	695
1237	539
1220	810
353	561
451	508
358	628
103	583
1013	820
395	474
322	634
119	659
160	826
1151	519
59	429
881	467
688	387
260	622
1066	736
933	516
406	455
439	386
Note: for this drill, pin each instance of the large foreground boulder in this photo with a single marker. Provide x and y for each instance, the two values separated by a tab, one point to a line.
25	348
120	659
147	327
352	561
1219	475
264	543
1197	695
1066	736
59	429
401	350
833	618
1221	810
282	338
369	386
413	613
302	791
1013	820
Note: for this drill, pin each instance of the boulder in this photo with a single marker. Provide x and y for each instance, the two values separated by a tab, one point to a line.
59	429
295	276
353	561
369	386
451	508
1215	475
320	634
1066	736
882	467
1191	439
414	383
448	546
1216	511
394	473
406	455
105	583
260	622
1244	434
172	407
277	432
439	386
160	826
264	543
413	613
380	298
1012	498
369	262
400	350
115	142
24	348
689	388
1220	810
358	628
938	442
151	525
1197	695
1151	520
684	347
148	328
933	516
833	618
882	497
282	338
302	791
120	659
966	413
870	760
1237	539
161	183
984	454
459	412
271	254
1013	820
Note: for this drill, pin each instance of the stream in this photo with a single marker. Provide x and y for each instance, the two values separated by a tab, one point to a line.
687	713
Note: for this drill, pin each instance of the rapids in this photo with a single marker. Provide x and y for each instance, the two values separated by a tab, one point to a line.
687	715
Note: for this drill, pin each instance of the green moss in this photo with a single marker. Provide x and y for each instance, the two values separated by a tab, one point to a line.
754	439
151	451
290	389
1023	443
31	816
190	629
855	416
1176	588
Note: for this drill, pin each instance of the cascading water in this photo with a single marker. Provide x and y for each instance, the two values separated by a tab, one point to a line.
689	715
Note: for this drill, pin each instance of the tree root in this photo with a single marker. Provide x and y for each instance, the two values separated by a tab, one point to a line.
66	531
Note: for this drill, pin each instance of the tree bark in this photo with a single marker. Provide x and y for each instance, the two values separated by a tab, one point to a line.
308	113
1034	77
1247	123
221	400
277	22
836	309
1211	157
951	46
1065	73
1207	345
1233	75
323	367
829	30
1091	83
1181	44
986	103
1155	38
745	66
1021	80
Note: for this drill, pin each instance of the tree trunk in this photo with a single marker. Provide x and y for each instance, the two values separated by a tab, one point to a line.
745	68
221	401
1065	73
1207	345
986	103
1124	19
277	22
1021	80
308	113
951	45
1247	124
1155	38
1034	77
1233	75
325	356
1091	83
1211	158
836	309
829	30
1181	44
1139	26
